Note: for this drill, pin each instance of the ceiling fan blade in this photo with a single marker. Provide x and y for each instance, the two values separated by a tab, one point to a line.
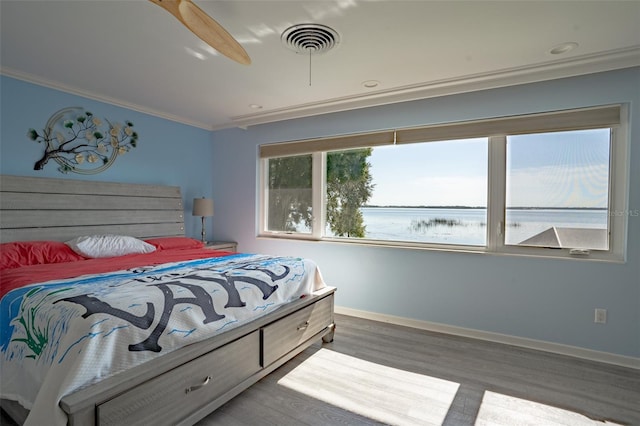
206	28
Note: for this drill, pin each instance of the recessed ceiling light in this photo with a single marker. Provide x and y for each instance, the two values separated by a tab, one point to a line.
563	48
370	84
255	106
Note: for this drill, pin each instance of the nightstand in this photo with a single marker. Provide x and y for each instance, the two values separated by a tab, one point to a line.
222	245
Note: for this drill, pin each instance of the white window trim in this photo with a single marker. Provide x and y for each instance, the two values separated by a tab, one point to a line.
496	189
263	193
318	205
619	186
263	203
496	198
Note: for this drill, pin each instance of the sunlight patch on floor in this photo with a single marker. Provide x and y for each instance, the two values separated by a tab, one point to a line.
378	392
498	409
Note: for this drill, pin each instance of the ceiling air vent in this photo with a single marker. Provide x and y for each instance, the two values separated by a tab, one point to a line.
310	38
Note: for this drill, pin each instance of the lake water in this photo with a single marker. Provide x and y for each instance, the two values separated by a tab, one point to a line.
468	226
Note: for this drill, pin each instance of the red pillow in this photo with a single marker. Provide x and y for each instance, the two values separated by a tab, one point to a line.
25	253
168	243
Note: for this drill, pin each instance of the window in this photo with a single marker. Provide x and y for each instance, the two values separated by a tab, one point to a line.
544	184
426	193
289	194
557	189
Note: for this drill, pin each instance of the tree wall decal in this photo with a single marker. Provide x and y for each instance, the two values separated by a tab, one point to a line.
81	142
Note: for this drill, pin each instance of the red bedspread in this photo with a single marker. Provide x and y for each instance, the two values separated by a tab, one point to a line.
14	278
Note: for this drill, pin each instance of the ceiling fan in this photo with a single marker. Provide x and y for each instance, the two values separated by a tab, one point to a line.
206	28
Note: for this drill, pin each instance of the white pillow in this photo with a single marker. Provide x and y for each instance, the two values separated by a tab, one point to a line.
108	245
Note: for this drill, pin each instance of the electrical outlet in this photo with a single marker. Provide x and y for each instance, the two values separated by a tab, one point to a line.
600	316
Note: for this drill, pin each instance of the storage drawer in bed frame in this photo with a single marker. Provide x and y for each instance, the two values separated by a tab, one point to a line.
182	393
284	335
171	396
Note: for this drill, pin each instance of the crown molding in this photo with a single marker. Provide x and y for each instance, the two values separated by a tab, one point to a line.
30	78
575	66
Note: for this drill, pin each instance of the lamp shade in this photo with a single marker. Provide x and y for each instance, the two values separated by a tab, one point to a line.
202	207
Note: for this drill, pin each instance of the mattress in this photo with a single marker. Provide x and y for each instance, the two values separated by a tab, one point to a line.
68	325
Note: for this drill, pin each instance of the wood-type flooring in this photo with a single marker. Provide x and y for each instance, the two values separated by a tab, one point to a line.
378	373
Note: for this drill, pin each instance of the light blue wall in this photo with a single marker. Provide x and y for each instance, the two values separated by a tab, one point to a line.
168	153
546	299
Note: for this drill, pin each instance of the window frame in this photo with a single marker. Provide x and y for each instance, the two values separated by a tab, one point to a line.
496	130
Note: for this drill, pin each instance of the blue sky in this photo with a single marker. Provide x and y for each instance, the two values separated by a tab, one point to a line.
422	174
567	169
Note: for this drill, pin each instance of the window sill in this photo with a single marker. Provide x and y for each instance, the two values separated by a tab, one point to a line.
530	252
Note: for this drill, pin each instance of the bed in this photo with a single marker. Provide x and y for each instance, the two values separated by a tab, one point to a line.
162	335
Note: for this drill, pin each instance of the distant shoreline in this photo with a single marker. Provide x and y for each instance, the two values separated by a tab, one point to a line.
480	207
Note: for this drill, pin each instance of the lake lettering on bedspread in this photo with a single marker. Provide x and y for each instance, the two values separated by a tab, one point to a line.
139	298
201	298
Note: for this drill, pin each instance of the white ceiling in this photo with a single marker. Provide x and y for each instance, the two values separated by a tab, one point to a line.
135	54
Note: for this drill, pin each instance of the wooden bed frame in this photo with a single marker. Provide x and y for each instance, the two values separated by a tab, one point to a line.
182	386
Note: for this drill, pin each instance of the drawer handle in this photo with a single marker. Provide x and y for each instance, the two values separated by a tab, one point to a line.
196	387
303	326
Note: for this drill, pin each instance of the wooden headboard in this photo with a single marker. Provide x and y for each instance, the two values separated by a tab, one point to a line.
33	208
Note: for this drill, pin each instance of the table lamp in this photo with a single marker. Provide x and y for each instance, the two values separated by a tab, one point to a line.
202	207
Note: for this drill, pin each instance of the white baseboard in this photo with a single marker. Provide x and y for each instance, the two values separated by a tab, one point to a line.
590	354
